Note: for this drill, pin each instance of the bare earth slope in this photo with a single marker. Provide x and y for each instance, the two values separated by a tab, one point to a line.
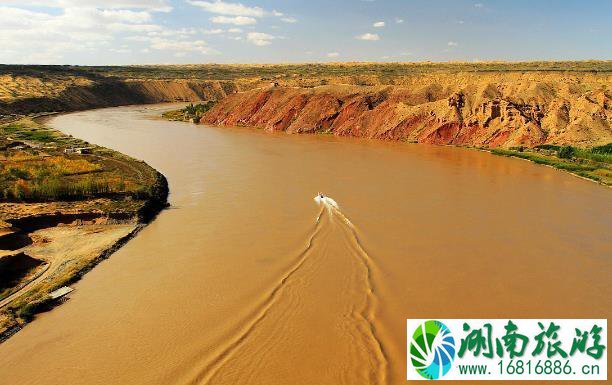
492	104
69	96
486	109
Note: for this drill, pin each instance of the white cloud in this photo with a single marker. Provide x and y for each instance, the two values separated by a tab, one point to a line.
59	36
260	38
180	42
238	13
234	30
29	36
452	44
180	46
126	16
399	21
333	54
226	8
120	27
182	33
368	36
478	5
153	5
236	20
379	24
216	31
120	50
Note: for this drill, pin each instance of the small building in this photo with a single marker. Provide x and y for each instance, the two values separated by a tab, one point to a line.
274	84
78	150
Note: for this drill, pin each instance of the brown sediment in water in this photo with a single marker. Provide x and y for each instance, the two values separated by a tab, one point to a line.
240	283
58	191
59	252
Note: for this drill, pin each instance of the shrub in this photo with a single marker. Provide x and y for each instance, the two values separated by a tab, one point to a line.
27	312
596	154
197	110
38	135
551	147
566	152
17	173
605	149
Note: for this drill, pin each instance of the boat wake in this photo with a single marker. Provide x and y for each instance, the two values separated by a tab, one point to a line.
332	252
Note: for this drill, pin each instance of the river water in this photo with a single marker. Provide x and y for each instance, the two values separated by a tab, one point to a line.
247	279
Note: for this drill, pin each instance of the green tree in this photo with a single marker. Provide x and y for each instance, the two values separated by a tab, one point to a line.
566	152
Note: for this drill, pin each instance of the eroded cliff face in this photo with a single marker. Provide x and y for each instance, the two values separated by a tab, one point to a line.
83	94
497	110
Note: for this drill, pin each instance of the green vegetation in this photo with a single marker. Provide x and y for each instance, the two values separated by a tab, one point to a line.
598	154
56	189
191	113
566	152
593	163
30	309
35	167
27	129
605	149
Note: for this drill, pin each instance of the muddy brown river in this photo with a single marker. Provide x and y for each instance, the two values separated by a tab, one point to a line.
247	280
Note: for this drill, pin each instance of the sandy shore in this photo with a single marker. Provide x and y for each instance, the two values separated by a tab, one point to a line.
65	253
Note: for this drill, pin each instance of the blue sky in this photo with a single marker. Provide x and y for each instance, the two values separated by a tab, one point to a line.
96	32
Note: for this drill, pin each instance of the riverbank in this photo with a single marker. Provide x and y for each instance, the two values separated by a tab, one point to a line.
596	168
202	278
65	205
490	105
191	113
593	164
529	116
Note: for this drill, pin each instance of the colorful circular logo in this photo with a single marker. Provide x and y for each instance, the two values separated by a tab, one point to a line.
432	349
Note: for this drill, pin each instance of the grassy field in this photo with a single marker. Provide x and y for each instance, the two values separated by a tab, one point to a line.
594	163
35	167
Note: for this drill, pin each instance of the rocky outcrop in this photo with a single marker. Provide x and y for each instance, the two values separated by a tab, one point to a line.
475	110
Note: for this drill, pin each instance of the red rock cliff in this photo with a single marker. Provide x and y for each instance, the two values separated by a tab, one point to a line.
477	110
